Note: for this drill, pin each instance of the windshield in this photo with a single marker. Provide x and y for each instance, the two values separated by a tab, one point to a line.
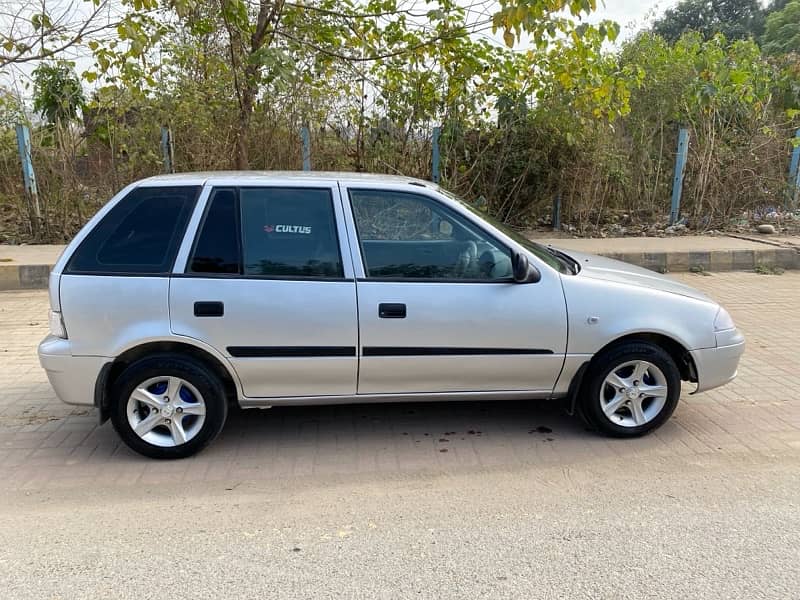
558	260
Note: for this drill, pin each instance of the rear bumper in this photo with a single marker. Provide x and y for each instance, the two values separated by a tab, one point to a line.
717	366
73	377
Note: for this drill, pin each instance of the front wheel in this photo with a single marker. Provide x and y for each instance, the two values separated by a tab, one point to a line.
168	406
631	389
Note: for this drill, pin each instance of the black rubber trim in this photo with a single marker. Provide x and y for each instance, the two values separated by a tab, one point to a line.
165	274
290	351
100	396
575	387
257	277
446	351
505	280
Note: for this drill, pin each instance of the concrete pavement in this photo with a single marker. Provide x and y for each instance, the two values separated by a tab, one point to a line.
716	527
504	499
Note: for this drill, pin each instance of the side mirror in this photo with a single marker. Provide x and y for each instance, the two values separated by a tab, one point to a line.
524	271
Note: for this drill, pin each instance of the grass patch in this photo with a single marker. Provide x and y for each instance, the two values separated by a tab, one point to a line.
699	270
763	269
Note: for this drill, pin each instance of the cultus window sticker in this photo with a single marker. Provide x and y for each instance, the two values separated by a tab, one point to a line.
303	229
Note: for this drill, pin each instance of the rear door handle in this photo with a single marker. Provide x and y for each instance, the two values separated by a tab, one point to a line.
391	310
209	309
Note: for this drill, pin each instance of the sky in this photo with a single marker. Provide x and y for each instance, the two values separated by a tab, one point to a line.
632	15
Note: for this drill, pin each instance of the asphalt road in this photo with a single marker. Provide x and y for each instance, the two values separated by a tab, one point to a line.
654	527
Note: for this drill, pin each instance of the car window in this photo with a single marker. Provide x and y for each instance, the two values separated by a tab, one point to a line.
217	246
399	217
289	232
547	256
410	236
139	235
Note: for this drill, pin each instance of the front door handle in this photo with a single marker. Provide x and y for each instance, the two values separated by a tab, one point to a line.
391	310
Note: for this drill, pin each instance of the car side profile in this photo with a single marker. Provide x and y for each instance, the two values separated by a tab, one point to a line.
187	293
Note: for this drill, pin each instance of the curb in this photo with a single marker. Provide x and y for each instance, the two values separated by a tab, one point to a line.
712	260
36	277
24	277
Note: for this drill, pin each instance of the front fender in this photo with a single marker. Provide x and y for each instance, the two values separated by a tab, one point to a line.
602	311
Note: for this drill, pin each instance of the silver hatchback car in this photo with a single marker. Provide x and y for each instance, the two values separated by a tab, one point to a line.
187	293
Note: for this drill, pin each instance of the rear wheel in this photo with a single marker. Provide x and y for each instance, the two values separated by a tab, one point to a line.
631	389
168	406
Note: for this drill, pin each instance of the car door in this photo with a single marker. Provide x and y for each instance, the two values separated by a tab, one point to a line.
266	282
438	308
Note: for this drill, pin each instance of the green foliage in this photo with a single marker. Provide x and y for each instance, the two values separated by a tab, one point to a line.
782	33
11	110
235	80
734	19
767	269
57	92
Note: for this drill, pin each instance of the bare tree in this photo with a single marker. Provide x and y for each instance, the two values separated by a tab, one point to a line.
33	30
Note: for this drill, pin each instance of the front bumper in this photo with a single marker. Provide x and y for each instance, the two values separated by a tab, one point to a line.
717	366
73	377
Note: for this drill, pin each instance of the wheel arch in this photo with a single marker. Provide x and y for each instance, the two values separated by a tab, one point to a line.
677	351
114	369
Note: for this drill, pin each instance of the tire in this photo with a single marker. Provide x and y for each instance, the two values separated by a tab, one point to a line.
618	404
171	427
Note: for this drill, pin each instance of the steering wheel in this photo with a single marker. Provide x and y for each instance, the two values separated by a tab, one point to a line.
467	259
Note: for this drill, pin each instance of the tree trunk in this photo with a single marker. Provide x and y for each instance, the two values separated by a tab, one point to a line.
262	34
241	157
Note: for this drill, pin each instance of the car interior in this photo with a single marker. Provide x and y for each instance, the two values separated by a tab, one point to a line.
404	238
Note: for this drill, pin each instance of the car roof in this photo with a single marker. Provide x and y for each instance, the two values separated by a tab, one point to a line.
203	177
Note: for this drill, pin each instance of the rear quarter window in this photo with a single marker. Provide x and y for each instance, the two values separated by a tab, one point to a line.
139	235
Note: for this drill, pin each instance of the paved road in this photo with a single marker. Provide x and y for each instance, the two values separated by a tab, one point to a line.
425	500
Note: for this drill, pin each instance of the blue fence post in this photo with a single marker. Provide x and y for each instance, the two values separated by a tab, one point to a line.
167	153
794	174
305	137
437	132
677	182
28	175
557	212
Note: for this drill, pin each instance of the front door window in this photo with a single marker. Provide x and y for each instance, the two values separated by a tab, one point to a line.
409	236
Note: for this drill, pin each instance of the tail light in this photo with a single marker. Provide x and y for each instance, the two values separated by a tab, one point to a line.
57	324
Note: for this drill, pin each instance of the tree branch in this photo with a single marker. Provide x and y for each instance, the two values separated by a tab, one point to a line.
374	57
84	30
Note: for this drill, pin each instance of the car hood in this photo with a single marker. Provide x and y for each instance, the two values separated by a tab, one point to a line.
609	269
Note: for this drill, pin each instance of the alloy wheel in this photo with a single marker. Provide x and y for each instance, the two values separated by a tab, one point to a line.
633	393
166	411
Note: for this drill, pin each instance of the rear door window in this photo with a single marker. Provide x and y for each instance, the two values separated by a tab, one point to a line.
140	235
217	247
289	232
